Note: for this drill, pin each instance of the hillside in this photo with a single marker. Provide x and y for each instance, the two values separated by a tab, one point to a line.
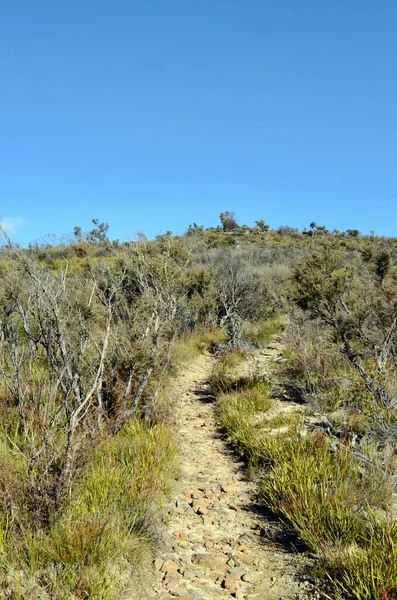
93	334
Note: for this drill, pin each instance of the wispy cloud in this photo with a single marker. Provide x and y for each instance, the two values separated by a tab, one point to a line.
12	224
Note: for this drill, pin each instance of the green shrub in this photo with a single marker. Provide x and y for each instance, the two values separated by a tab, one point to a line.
111	515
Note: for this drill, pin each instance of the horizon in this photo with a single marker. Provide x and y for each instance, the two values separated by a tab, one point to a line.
68	237
150	117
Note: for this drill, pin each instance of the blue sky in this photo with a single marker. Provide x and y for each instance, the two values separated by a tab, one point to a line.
152	114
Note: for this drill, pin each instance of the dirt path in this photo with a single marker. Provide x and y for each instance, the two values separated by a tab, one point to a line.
217	544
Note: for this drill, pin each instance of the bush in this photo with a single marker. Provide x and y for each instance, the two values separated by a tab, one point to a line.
112	516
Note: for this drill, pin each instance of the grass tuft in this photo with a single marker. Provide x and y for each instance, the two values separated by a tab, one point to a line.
260	333
111	517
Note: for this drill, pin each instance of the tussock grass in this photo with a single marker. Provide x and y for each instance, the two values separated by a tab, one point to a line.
191	344
260	333
111	517
236	411
239	399
222	380
338	507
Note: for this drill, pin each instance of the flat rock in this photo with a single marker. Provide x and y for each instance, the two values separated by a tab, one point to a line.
169	566
252	577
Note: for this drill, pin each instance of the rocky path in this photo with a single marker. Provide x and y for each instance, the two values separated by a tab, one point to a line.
216	544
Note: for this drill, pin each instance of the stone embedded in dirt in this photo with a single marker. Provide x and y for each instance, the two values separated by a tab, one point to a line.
237	572
234	561
209	561
158	563
230	583
241	547
197	494
182	535
197	546
202	487
253	577
228	488
250	558
200	505
169	566
239	595
180	510
207	519
192	574
184	559
177	590
173	577
202	511
215	576
232	579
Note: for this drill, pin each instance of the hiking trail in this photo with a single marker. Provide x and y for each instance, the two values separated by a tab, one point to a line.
217	544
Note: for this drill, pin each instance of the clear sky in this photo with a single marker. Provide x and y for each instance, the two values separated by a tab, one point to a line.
152	114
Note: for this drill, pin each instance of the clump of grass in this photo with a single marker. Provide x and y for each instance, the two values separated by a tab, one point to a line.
238	401
369	574
212	338
322	494
129	472
191	344
328	496
260	333
328	499
222	380
111	516
281	420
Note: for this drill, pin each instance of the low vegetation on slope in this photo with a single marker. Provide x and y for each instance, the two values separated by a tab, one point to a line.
91	329
336	496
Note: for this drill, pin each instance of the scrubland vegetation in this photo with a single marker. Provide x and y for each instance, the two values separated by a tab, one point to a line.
90	331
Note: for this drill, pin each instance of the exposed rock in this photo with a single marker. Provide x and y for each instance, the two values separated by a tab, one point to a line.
169	566
252	577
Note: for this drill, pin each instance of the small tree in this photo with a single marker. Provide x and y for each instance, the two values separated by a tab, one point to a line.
383	264
228	221
241	294
262	225
78	234
353	233
194	229
363	319
99	233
